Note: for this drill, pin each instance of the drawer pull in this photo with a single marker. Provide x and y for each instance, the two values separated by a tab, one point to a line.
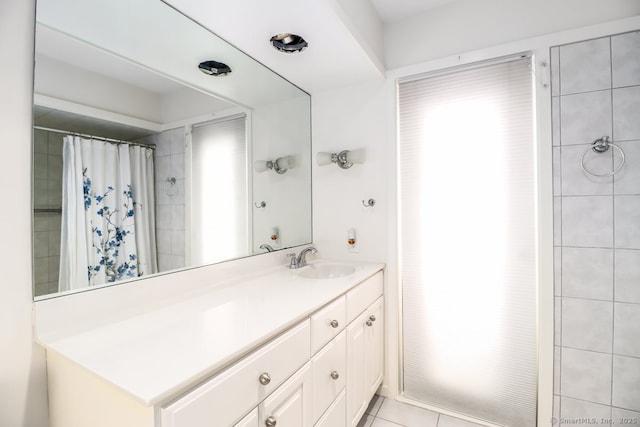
265	379
369	323
372	318
334	324
335	375
270	422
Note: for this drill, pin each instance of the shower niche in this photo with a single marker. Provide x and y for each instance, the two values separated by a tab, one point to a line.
127	81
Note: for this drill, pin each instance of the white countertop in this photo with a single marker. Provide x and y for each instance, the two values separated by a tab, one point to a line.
159	353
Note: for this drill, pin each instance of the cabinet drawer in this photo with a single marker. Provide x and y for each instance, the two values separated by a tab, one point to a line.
359	298
335	415
326	323
329	373
251	420
229	395
290	404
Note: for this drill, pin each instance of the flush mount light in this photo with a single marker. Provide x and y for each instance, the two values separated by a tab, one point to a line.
280	166
289	43
214	68
344	159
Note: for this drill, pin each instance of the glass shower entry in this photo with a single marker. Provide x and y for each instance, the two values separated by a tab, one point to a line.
468	241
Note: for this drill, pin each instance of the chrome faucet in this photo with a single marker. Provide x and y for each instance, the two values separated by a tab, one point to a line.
266	247
300	260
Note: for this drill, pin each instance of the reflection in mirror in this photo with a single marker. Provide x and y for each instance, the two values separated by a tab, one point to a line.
142	163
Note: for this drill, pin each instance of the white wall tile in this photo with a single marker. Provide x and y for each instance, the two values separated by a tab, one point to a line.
626	105
177	242
163	241
585	66
178	217
627	180
586	375
585	117
627	219
575	182
626	377
40	192
54	169
40	244
557	360
177	140
626	331
163	217
40	222
54	268
177	165
623	417
625	57
557	331
54	243
557	221
573	409
582	315
557	271
54	194
557	172
39	166
555	120
41	270
40	141
627	275
162	167
587	273
587	221
554	56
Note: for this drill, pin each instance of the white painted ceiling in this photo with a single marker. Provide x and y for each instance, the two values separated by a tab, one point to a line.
396	10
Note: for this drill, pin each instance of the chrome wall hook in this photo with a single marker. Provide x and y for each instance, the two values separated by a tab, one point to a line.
369	203
262	204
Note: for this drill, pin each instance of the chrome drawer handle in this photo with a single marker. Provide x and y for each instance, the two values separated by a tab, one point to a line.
334	324
270	422
335	375
265	379
372	318
369	323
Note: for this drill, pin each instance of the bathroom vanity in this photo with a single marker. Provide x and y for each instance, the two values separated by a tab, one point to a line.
271	349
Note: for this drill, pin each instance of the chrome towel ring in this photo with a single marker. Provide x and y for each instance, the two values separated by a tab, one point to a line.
601	145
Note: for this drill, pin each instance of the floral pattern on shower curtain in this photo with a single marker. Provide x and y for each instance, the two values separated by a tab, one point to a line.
108	219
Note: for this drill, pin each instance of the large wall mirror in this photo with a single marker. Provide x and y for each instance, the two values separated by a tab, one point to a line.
143	163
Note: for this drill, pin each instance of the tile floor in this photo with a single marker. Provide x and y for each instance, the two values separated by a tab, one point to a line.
384	412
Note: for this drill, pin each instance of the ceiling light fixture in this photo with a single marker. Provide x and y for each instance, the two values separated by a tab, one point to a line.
289	43
214	68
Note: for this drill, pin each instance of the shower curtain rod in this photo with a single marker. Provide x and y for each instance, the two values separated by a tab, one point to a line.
101	138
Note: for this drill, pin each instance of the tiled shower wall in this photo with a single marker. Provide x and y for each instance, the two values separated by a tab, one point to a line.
47	176
596	92
170	198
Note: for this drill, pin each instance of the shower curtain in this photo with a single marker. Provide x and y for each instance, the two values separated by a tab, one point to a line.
108	219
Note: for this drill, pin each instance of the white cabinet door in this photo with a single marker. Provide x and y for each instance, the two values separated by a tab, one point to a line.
356	362
329	367
374	343
251	420
365	357
291	404
335	415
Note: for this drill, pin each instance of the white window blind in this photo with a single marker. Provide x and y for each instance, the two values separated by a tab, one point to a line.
468	242
220	217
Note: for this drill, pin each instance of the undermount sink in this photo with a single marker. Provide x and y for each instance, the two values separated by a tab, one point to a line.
326	271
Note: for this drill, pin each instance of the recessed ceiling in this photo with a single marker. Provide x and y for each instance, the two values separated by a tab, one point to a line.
396	10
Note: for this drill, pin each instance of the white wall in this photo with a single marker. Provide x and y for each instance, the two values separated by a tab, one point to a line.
471	24
348	119
23	399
